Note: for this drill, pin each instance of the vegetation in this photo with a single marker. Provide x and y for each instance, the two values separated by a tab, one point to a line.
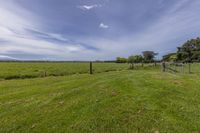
125	101
149	56
135	59
18	70
189	51
120	100
172	57
121	60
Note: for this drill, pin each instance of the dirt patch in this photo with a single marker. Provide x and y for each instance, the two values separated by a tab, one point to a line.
114	94
177	82
155	131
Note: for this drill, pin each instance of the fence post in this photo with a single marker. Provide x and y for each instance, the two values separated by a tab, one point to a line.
175	67
183	68
163	66
91	71
132	66
189	68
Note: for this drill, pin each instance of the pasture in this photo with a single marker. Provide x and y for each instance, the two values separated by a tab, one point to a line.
114	99
17	70
23	70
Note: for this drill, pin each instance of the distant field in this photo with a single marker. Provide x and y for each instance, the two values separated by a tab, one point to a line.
140	101
16	70
12	70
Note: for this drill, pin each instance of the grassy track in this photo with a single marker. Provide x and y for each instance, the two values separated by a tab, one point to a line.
125	101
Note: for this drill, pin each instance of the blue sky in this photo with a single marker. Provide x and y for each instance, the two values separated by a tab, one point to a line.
94	29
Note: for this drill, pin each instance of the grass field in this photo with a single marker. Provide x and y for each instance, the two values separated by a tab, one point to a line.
138	101
16	70
21	70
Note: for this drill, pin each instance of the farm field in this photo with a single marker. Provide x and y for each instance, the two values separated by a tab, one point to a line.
23	70
15	70
144	100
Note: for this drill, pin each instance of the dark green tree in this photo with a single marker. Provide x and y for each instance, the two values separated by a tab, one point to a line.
189	51
135	59
149	56
121	60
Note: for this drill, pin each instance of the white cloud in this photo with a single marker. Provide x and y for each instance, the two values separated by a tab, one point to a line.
165	34
57	36
13	30
88	7
168	32
104	26
5	57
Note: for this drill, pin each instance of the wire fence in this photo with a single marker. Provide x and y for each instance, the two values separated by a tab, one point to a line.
23	70
184	68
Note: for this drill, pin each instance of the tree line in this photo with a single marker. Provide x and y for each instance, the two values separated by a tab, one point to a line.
186	53
146	57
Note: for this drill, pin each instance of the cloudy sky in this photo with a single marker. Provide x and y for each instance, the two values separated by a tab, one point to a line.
94	29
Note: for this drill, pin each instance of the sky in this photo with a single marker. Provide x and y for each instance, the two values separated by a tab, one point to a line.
94	29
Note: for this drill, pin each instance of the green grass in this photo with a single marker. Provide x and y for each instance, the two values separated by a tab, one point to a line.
194	68
17	70
23	70
121	101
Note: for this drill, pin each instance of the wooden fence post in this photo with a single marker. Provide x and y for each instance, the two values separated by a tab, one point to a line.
91	71
131	66
45	74
189	68
175	67
163	66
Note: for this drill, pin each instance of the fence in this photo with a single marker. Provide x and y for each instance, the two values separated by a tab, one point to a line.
22	70
184	68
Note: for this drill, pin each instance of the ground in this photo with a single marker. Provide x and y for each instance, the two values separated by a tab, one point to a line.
110	102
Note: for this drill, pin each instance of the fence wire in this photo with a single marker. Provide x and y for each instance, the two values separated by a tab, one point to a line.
184	68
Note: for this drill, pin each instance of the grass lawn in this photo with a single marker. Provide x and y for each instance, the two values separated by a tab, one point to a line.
125	101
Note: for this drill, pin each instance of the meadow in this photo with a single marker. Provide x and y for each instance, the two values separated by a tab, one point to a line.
23	70
19	70
124	101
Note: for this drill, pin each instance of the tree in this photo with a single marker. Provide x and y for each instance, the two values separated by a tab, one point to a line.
121	60
149	56
135	59
189	51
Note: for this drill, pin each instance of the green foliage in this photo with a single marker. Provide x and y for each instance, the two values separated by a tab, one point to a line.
170	57
121	60
189	51
135	59
149	56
